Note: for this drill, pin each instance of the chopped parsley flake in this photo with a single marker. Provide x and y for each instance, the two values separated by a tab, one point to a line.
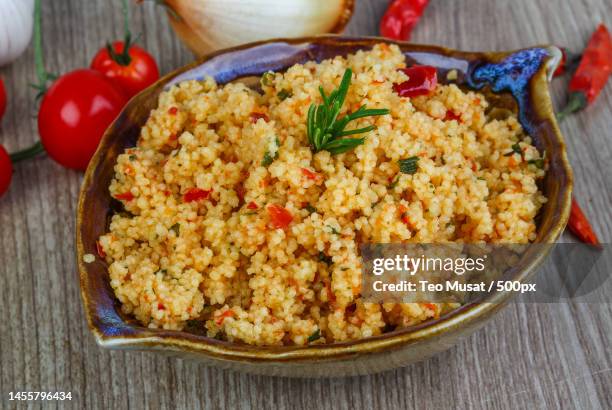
266	79
516	149
324	258
269	157
539	163
394	183
316	335
333	230
284	94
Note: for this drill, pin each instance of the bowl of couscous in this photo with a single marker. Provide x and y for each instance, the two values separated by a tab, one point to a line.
222	215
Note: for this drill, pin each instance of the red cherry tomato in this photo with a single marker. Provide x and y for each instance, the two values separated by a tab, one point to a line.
2	99
132	72
6	170
279	216
74	113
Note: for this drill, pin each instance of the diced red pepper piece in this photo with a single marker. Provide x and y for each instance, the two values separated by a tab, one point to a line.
160	306
579	225
100	250
252	205
422	80
256	116
196	194
309	174
279	216
403	213
451	115
126	196
172	110
221	318
401	17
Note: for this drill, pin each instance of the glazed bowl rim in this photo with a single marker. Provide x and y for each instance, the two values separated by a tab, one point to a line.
144	338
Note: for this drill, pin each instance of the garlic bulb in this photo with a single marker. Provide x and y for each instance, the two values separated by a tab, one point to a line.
16	18
207	25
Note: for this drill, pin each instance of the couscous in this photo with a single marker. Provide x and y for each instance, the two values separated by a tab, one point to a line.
233	223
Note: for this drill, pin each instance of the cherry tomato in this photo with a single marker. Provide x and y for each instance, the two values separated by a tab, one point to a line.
132	72
6	170
74	114
2	99
279	216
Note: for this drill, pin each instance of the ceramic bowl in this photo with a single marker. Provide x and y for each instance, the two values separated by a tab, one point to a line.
515	80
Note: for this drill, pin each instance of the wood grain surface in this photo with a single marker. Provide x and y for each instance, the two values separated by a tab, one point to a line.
530	356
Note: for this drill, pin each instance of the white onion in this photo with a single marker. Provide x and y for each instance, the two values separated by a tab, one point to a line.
16	18
207	25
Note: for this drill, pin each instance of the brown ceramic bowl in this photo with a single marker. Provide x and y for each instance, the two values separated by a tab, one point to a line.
516	80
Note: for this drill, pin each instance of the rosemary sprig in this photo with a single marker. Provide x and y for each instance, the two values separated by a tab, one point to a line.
326	131
408	165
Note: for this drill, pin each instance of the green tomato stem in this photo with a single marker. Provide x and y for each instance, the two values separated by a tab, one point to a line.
576	102
27	153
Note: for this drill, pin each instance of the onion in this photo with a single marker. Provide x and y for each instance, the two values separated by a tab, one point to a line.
16	18
208	25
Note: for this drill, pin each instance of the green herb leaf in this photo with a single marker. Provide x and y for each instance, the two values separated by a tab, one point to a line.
284	94
539	163
176	228
326	131
316	335
394	183
132	157
516	149
268	157
266	79
311	209
333	230
408	165
324	258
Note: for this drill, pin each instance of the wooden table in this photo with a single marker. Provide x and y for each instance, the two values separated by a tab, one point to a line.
530	356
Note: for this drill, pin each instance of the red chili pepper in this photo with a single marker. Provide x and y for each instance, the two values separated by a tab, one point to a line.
196	194
422	80
252	205
279	216
126	196
592	73
401	17
579	225
562	64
